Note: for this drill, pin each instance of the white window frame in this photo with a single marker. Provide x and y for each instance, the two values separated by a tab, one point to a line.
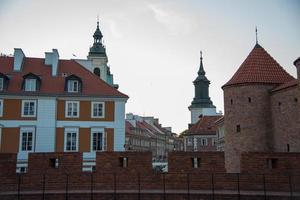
71	86
203	142
23	106
71	130
104	138
66	109
1	84
189	141
30	85
1	107
92	109
24	130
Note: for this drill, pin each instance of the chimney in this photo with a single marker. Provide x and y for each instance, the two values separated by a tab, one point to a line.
52	58
19	57
297	64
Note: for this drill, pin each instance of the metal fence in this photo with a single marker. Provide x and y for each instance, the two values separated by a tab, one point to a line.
187	185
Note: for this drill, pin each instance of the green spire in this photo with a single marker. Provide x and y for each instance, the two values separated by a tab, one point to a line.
97	48
201	83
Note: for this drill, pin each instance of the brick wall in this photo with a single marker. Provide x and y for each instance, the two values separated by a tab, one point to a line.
113	162
67	162
182	162
187	184
256	162
285	108
254	119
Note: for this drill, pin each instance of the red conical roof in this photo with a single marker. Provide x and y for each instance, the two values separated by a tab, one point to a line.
259	67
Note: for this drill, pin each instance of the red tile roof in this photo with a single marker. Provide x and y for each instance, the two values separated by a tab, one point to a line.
55	85
259	67
206	125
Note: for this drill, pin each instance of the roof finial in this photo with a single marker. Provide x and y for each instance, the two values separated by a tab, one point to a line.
256	34
200	55
97	21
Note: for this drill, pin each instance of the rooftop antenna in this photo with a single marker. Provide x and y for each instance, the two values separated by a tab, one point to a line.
256	34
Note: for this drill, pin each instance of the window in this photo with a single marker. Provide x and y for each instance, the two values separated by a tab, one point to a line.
30	85
203	142
97	109
71	139
231	101
272	163
288	147
1	107
196	162
1	84
27	139
98	139
73	86
53	162
28	108
72	109
123	162
97	71
189	141
238	128
249	99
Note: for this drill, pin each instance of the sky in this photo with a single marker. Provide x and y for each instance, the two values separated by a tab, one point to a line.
153	45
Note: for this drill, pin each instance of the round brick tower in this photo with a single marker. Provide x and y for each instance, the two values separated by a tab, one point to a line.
247	106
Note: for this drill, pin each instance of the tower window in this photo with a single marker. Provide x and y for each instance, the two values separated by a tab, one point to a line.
288	147
279	103
296	100
238	128
231	101
249	99
97	71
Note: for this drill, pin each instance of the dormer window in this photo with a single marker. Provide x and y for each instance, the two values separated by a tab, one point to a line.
73	84
31	83
3	82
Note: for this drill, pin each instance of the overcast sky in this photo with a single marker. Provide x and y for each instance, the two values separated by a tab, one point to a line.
153	46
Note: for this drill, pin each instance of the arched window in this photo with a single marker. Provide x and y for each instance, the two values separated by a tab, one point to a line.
97	71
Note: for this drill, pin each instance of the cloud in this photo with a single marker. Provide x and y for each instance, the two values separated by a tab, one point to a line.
177	22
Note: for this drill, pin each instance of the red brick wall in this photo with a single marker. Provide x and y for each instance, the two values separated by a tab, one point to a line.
256	162
285	112
67	162
182	162
111	162
253	117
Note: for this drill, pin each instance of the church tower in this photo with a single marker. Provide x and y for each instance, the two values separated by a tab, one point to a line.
97	61
201	104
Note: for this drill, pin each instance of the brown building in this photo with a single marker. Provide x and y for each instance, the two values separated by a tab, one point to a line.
202	136
53	105
146	134
261	104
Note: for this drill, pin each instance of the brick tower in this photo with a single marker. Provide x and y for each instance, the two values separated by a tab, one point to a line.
248	121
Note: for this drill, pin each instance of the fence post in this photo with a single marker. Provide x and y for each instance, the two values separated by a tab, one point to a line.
291	187
19	186
139	184
67	187
164	183
188	185
92	186
264	182
44	185
213	186
115	186
238	186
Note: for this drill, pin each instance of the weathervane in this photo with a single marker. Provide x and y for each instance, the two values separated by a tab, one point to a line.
256	34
